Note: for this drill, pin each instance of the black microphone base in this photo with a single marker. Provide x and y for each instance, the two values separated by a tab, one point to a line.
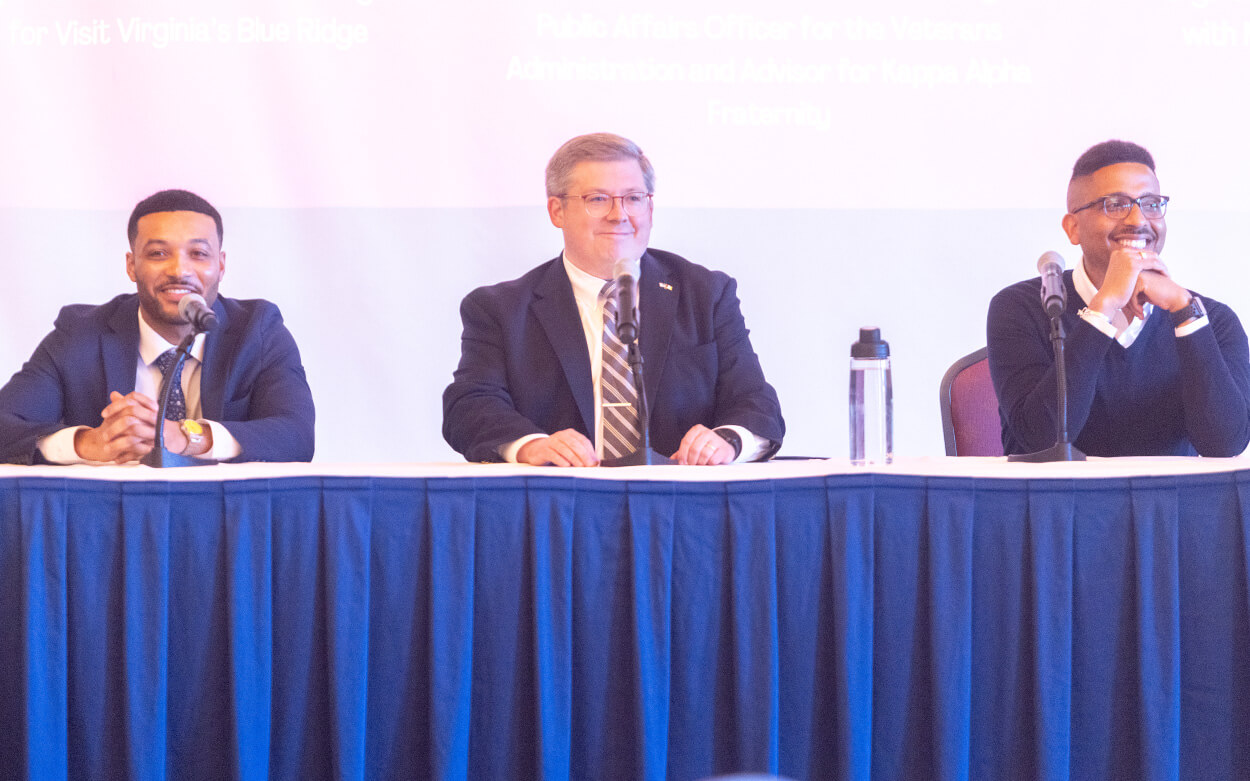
1060	451
161	458
639	457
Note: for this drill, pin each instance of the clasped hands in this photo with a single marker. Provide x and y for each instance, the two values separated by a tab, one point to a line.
1135	278
568	447
128	431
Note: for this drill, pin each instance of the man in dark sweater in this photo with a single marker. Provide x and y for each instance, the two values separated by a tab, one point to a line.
1153	368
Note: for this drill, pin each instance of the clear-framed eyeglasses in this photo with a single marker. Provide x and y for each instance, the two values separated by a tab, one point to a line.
1117	207
600	204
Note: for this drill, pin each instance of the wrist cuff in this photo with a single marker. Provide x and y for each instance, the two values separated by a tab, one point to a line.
1098	320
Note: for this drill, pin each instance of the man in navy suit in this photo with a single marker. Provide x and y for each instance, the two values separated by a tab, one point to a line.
88	393
528	388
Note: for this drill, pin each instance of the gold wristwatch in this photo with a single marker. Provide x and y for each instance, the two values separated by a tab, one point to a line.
193	431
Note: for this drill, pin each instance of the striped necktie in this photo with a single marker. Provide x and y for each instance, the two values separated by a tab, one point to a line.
177	409
621	432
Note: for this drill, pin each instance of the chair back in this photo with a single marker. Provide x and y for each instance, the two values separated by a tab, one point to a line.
970	422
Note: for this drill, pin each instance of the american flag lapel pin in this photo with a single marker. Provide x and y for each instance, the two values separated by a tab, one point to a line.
666	286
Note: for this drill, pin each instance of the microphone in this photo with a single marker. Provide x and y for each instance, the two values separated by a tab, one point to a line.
195	310
626	273
1054	293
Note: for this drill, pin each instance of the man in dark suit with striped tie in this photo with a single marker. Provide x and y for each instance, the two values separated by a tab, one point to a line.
542	377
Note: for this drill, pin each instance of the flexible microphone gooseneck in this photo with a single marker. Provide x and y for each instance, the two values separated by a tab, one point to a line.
1055	302
195	310
627	273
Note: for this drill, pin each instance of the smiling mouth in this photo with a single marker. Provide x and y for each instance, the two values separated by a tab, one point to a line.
177	291
1136	242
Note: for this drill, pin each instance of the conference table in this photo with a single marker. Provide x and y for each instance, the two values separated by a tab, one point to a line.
933	618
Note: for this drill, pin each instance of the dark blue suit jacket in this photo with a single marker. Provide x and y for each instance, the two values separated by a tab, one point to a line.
525	368
252	380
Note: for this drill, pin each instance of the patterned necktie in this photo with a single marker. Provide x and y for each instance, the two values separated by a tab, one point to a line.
177	409
621	432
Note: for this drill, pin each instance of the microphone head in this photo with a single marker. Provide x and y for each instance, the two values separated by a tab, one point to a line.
1049	258
627	268
1054	294
188	304
195	310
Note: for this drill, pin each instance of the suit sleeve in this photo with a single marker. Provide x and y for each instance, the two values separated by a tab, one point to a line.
1215	385
271	412
31	403
479	413
743	397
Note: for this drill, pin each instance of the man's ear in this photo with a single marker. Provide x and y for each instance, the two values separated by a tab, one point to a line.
555	210
1071	226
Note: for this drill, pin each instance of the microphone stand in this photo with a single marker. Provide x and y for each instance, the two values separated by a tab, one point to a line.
1063	449
644	455
158	456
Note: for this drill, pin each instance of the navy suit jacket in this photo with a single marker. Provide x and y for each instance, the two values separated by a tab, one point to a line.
251	381
525	367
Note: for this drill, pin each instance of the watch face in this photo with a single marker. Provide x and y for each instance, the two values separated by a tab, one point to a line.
192	427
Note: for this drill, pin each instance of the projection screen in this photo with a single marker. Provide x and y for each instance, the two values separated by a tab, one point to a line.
891	164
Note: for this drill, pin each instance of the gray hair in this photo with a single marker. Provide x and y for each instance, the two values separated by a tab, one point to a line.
598	147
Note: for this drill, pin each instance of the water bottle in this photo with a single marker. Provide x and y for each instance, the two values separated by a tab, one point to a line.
872	400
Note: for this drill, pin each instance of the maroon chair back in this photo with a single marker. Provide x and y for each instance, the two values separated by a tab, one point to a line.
970	422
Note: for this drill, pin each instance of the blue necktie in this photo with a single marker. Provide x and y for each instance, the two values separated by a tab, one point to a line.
177	409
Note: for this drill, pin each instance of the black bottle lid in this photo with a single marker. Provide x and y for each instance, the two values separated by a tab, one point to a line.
870	345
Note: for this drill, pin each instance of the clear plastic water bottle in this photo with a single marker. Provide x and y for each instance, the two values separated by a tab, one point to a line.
872	400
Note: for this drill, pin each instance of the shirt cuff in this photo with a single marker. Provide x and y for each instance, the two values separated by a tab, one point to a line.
225	446
508	451
1193	325
1099	321
58	448
752	446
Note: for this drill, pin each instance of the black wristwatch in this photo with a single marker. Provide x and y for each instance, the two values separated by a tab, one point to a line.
1193	311
730	436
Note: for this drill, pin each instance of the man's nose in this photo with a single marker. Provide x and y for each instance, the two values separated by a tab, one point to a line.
1135	215
179	264
617	212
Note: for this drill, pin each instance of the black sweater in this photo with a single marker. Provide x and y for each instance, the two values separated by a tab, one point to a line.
1163	395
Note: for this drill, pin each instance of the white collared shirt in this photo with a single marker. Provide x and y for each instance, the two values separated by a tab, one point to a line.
148	375
58	448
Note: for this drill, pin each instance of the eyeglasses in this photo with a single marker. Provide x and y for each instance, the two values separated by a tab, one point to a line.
1117	207
599	204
